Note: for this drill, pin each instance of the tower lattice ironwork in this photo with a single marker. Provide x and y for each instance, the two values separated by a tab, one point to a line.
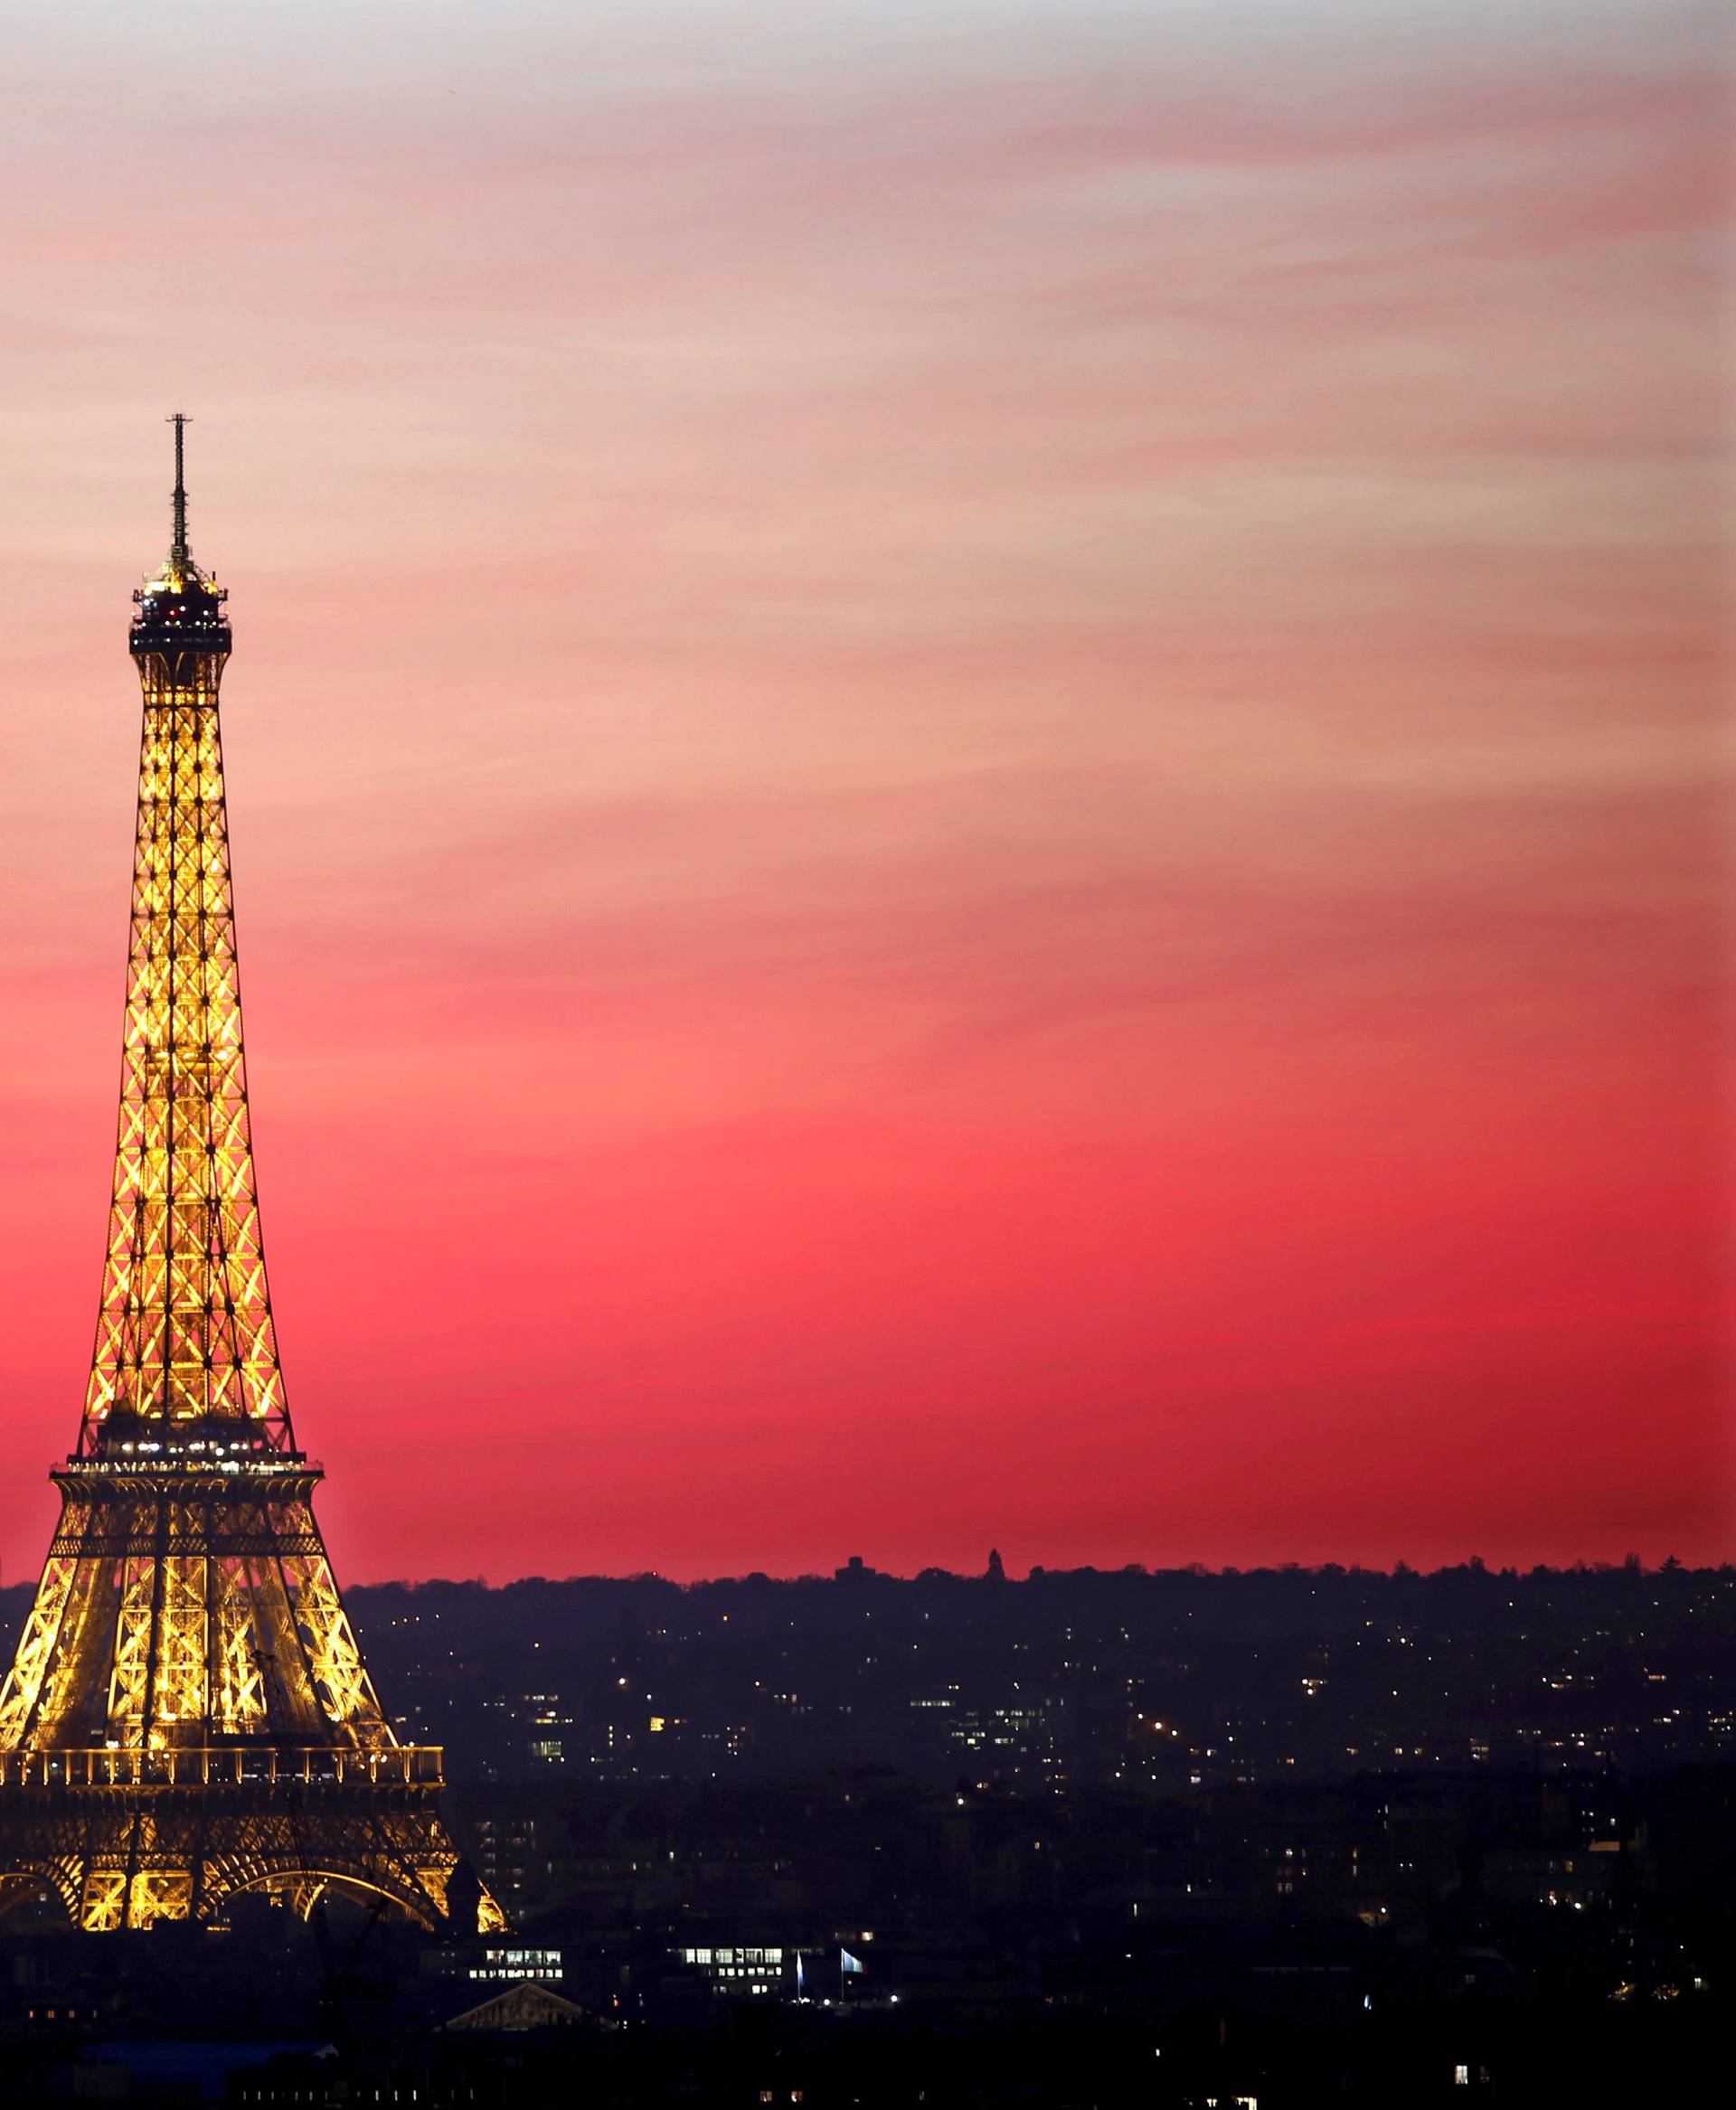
188	1715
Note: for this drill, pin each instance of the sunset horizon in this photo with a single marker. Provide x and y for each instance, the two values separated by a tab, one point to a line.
897	893
867	1054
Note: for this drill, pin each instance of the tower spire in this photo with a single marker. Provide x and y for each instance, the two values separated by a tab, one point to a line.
180	556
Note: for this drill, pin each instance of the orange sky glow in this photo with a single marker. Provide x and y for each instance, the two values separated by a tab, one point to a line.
976	762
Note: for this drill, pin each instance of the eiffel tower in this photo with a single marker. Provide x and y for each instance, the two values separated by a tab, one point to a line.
189	1716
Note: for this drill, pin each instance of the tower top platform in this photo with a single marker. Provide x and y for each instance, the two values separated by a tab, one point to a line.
180	607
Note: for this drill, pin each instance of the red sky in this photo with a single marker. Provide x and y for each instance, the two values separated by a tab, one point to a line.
975	757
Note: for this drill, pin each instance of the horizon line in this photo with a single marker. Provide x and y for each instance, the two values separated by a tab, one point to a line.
1191	1571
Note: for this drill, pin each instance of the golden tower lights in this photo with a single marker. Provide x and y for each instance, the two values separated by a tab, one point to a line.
188	1714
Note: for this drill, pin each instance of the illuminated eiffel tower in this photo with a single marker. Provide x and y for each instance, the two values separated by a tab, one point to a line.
189	1715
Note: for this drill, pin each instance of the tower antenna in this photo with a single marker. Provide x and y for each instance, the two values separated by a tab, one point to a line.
179	555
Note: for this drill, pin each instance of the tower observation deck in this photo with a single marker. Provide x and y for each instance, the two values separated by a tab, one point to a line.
188	1715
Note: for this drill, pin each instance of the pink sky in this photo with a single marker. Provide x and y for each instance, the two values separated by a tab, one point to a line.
976	763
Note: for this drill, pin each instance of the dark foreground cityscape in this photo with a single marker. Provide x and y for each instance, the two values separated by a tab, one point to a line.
1084	1839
